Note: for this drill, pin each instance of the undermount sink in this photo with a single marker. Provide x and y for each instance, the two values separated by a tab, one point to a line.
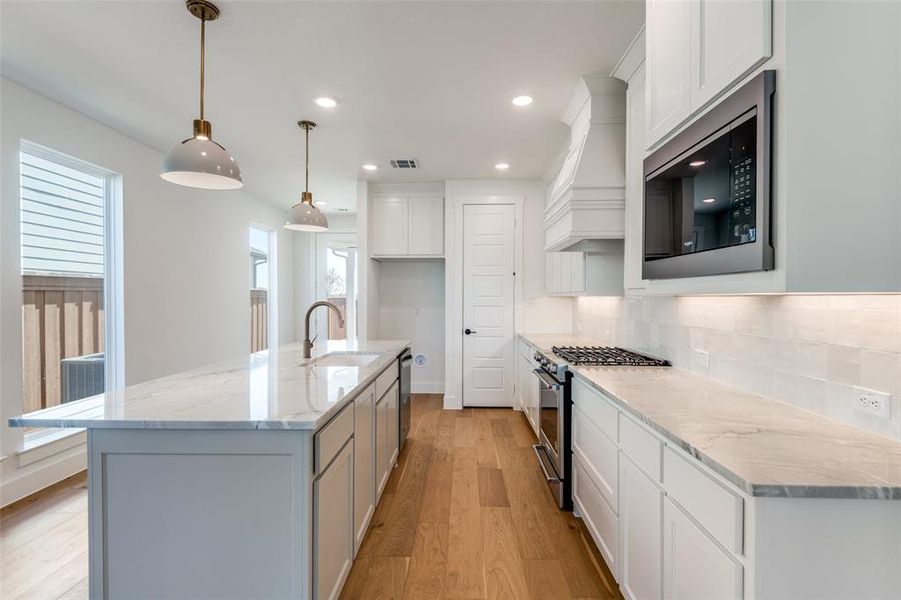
341	359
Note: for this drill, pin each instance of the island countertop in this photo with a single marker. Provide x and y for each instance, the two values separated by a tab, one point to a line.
271	389
763	446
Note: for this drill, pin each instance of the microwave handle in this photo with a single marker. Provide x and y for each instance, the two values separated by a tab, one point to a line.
549	383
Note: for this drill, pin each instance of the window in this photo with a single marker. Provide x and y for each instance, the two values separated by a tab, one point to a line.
261	287
336	281
70	245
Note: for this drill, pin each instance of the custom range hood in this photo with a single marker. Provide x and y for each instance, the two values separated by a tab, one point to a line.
587	196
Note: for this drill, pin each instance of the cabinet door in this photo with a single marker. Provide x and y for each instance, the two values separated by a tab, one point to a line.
635	132
426	227
668	51
393	443
389	226
728	40
576	272
364	463
694	566
641	514
597	514
381	446
333	537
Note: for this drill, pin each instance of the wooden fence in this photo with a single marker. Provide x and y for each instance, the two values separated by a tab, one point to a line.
62	317
259	319
335	330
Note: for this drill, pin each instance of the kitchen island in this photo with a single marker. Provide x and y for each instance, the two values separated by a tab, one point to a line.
254	477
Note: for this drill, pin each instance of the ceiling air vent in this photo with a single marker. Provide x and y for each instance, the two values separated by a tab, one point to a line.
404	163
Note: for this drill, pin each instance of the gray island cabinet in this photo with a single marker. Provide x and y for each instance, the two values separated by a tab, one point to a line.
252	478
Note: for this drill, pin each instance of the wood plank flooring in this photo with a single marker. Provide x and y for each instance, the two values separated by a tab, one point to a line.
465	514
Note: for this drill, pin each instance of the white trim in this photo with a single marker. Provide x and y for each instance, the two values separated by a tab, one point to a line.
272	289
113	258
43	473
632	58
453	284
427	387
37	445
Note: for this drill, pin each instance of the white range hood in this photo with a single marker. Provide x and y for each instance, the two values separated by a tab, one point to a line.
587	198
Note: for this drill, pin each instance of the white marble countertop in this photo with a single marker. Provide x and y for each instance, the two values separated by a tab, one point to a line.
270	389
763	446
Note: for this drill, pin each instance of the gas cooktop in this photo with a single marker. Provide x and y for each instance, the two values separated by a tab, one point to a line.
606	356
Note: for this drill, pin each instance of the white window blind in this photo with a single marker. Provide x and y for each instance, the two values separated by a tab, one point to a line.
62	218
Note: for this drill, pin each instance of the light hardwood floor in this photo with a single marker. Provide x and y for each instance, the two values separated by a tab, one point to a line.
465	514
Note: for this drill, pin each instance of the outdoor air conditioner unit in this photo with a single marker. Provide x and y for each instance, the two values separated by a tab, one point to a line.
82	376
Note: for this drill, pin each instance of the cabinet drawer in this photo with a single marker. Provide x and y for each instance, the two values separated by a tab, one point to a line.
717	509
600	519
597	408
642	446
599	455
383	382
331	438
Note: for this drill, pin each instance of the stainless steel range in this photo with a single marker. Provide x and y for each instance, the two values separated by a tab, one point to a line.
554	450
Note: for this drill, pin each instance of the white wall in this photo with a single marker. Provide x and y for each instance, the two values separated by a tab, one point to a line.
185	265
810	351
411	306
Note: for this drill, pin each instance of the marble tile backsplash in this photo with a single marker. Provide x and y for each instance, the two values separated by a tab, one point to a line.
810	351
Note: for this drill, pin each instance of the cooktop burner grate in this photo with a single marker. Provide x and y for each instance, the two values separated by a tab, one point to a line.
606	356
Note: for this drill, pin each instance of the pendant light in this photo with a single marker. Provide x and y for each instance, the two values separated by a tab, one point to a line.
199	162
304	216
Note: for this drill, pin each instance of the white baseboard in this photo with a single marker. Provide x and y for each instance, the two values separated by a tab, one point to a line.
427	387
35	476
451	403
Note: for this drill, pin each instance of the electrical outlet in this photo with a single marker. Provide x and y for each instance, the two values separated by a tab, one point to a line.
873	402
702	359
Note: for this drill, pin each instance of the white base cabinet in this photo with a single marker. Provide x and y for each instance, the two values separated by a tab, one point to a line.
641	514
333	519
364	464
694	566
386	436
527	385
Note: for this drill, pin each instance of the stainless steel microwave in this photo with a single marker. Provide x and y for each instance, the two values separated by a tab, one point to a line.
707	191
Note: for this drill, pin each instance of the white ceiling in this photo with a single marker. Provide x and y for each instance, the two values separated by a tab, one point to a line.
425	80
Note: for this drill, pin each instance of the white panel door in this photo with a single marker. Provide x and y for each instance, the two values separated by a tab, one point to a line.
389	228
668	66
641	515
426	227
694	567
488	290
728	40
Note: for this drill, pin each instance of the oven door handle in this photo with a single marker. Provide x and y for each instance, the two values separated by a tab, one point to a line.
539	450
550	384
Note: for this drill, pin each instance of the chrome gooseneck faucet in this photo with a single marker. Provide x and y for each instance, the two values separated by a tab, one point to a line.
307	343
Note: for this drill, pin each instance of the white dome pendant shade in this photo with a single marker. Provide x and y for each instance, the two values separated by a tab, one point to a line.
198	161
304	216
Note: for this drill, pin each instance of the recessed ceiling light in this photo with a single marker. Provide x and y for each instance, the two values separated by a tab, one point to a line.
697	163
709	200
522	100
370	167
326	101
322	202
501	166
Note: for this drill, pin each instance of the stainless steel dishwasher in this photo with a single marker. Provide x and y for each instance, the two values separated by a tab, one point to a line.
406	363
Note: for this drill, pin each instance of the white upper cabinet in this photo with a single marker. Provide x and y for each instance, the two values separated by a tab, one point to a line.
389	227
728	40
407	226
696	50
668	66
426	226
585	274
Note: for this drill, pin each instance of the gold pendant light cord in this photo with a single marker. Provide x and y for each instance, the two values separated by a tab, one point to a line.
202	61
306	183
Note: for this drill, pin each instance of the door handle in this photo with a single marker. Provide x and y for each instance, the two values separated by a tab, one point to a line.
468	331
